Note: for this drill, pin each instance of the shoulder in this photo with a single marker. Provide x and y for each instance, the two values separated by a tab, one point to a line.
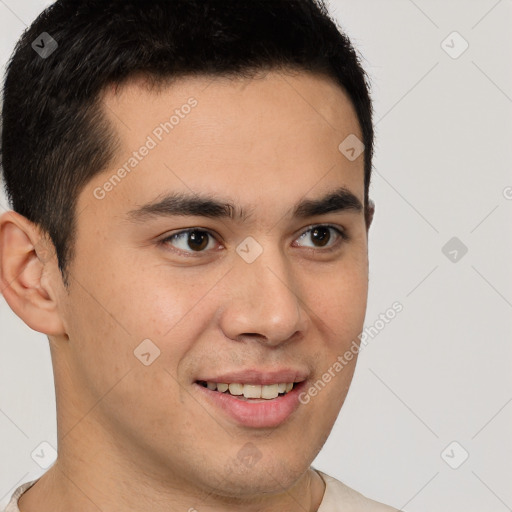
339	497
12	506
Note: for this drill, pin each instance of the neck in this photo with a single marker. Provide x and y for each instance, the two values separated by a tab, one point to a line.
59	491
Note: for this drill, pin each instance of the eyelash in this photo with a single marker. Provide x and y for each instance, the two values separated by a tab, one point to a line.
343	237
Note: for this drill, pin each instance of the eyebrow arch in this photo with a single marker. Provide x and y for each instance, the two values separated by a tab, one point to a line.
182	204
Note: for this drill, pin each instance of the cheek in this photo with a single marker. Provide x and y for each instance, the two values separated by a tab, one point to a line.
340	307
107	374
99	344
116	309
338	300
140	298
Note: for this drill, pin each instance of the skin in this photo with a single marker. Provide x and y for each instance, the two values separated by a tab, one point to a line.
136	437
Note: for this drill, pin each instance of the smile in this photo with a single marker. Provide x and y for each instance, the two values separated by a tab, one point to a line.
250	391
251	405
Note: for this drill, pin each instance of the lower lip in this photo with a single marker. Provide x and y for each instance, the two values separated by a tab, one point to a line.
268	413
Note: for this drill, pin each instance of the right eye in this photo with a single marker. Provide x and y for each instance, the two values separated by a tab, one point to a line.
189	241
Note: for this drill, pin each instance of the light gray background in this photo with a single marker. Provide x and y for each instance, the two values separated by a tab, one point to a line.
440	371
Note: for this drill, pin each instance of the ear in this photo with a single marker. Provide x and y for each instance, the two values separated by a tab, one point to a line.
25	260
369	213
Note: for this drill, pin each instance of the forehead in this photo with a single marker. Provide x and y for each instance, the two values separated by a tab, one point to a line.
233	101
252	139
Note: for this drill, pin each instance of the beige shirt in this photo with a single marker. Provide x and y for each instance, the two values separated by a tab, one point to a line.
337	498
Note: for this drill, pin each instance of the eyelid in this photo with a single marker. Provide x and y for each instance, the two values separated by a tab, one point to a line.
165	241
341	232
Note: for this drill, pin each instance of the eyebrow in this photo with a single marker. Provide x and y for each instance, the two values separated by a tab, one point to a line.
182	204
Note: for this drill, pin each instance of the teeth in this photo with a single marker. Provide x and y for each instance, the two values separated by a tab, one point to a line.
236	389
270	391
267	392
252	390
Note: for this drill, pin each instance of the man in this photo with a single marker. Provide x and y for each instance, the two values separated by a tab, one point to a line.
189	182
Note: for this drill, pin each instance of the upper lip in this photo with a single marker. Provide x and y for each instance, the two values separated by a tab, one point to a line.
262	377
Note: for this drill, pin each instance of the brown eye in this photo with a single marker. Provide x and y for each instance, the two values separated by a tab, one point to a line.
198	240
322	236
190	240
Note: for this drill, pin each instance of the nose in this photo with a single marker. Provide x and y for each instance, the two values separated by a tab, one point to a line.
264	301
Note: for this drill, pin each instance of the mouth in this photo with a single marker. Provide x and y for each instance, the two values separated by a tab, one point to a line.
251	405
250	392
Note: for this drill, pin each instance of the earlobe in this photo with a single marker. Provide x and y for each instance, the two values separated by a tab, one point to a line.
23	256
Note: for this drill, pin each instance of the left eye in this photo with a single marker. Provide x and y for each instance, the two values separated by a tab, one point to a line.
322	235
198	240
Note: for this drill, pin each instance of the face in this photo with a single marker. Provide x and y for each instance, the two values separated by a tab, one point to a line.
165	297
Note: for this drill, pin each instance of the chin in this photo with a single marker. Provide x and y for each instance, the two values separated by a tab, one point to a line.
263	476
